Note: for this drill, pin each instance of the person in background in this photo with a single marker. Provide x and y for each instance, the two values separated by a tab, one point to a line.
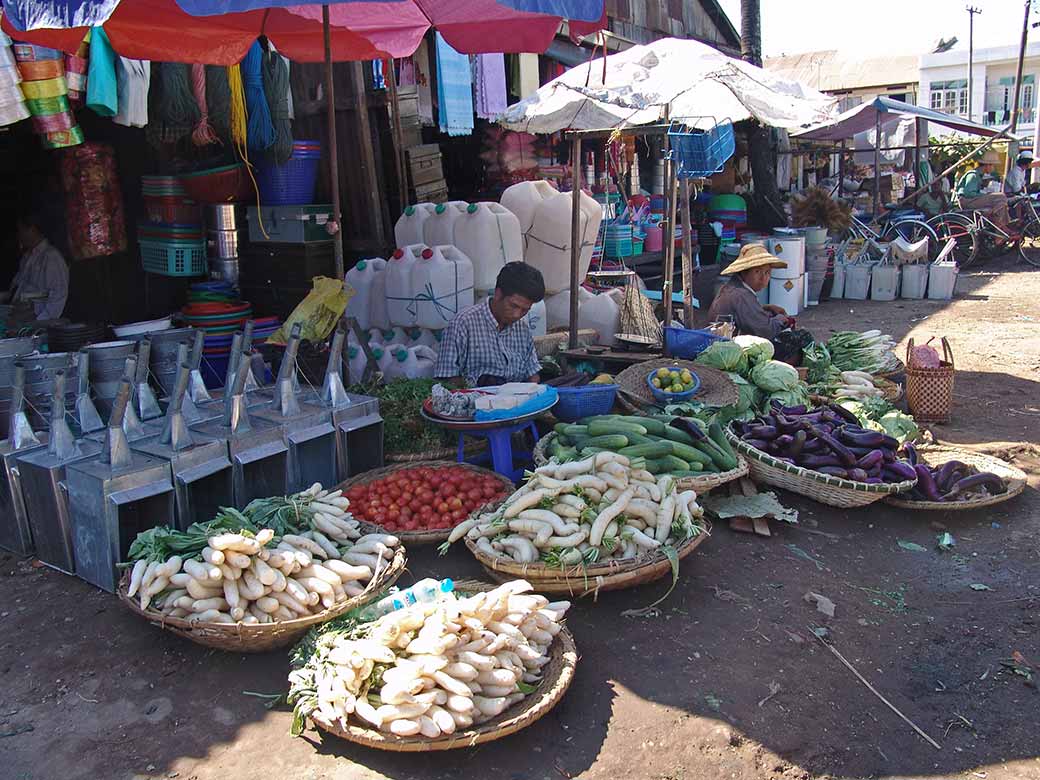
933	201
968	192
738	299
490	343
1015	182
43	277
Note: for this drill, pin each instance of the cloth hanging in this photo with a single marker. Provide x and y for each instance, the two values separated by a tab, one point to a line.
133	78
783	161
490	85
102	94
529	81
421	61
378	77
406	72
454	90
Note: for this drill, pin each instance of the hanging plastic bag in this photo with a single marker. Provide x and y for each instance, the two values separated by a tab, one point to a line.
318	313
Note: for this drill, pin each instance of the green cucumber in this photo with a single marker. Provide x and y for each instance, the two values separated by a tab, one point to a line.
716	434
610	427
674	434
576	430
666	465
689	454
653	450
653	427
614	441
587	451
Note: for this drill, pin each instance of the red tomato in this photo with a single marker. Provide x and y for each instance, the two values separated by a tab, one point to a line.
379	518
434	480
443	507
455	503
475	494
458	515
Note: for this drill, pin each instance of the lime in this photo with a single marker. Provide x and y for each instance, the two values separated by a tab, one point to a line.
662	373
656	382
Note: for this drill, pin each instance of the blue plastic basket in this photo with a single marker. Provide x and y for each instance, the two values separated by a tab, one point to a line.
292	183
663	397
585	401
174	258
687	344
701	153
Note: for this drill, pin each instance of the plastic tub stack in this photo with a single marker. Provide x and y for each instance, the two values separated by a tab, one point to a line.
214	308
172	241
12	103
731	211
46	95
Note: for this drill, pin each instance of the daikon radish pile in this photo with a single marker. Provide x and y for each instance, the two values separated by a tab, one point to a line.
314	509
429	669
596	509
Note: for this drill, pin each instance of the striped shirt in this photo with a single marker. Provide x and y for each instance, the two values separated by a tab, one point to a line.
475	345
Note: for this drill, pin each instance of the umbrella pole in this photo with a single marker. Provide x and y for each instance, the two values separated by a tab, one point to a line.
572	339
395	106
877	166
330	98
669	242
687	254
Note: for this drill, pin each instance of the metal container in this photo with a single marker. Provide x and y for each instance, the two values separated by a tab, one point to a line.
222	244
359	436
225	216
17	347
223	270
107	362
15	532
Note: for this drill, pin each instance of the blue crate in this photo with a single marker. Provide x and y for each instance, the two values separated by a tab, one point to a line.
687	344
701	153
174	258
585	401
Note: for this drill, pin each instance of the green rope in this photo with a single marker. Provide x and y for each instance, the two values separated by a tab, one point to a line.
218	98
276	89
178	107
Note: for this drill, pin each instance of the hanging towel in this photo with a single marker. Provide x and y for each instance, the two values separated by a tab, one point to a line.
490	85
133	77
378	79
454	90
406	72
102	96
529	81
421	61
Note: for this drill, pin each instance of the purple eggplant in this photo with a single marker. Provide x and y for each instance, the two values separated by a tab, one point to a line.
816	461
813	445
783	441
796	411
946	474
765	419
903	471
871	459
826	427
690	428
858	475
844	413
844	455
758	444
763	432
833	471
890	442
828	415
993	484
926	483
787	425
873	480
889	456
797	443
739	427
859	452
861	438
910	451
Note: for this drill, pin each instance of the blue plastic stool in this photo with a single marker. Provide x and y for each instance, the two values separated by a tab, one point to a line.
500	445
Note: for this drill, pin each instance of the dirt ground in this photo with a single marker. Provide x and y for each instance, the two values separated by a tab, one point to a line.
727	682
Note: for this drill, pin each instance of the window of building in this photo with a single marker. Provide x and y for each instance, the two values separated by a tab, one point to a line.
949	96
1000	98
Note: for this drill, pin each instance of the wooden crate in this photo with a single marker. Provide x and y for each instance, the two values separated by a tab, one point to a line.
435	192
424	164
408	101
411	132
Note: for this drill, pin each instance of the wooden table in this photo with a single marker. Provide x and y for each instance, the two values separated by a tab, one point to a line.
611	357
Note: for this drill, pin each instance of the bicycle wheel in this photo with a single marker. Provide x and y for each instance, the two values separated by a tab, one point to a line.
912	231
1029	247
962	231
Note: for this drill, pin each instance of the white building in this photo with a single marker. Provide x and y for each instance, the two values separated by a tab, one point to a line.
944	85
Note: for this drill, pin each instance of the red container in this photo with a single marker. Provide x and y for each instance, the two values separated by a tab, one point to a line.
219	185
171	210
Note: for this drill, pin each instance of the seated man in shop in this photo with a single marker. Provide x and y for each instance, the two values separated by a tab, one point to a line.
738	301
970	197
490	343
42	281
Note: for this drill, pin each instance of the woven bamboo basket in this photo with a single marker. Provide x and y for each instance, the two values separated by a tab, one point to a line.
557	676
896	374
701	484
470	449
833	491
716	388
929	391
259	638
589	580
412	538
937	455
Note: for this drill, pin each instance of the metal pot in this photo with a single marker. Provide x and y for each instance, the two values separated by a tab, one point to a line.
16	347
225	216
222	244
225	269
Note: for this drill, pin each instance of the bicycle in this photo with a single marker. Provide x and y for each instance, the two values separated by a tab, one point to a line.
909	227
975	235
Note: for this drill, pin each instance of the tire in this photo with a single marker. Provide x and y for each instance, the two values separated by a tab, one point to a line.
1029	246
962	230
912	231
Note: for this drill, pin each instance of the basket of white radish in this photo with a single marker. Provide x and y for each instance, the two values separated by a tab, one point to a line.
237	590
587	526
469	668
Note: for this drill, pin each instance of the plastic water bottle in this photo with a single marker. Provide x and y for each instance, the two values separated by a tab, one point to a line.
425	591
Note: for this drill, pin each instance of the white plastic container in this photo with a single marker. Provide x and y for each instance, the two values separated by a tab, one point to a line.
790	249
805	291
536	319
362	277
384	356
439	227
838	285
884	283
375	336
409	226
412	363
489	235
857	281
915	281
558	308
549	239
602	313
399	295
814	285
524	198
788	294
942	279
442	286
423	337
356	361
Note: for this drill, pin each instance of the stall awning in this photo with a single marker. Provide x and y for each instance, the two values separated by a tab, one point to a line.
865	116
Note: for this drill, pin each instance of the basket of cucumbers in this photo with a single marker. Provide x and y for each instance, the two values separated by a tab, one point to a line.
672	384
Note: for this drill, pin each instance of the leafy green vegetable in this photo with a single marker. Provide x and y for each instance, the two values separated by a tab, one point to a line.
725	356
745	392
774	376
870	351
794	397
817	359
756	349
899	426
400	403
158	544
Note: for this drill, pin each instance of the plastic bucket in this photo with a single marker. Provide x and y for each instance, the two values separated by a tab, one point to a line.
915	280
857	282
942	278
884	283
292	183
838	285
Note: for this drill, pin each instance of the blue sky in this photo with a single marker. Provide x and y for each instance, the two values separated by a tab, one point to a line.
883	26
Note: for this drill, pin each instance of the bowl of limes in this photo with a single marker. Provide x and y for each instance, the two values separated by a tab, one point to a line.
672	384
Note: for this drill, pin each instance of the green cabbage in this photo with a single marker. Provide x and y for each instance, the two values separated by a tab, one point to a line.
725	356
899	426
745	391
756	349
795	397
774	376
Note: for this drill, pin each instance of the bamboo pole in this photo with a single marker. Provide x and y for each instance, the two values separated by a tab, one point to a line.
572	337
687	254
330	99
669	241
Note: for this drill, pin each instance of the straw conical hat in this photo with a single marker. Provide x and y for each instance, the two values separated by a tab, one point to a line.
752	256
989	157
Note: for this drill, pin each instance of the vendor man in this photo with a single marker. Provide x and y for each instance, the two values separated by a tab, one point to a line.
738	299
490	343
969	194
43	277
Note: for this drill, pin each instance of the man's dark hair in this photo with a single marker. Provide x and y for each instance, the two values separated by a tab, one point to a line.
31	219
521	279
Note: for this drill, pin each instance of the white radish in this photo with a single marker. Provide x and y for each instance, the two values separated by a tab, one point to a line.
215	557
608	515
202	571
316	585
231	592
538	531
136	574
236	559
202	589
322	541
203	605
268	604
528	501
305	544
288	601
405	727
347	572
664	518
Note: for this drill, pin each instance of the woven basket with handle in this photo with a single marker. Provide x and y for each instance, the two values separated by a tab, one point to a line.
929	391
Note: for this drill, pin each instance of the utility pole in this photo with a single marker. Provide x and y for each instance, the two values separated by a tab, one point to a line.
971	52
1018	85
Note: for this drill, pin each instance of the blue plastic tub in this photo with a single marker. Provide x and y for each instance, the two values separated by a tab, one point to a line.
670	398
687	344
585	401
701	153
292	183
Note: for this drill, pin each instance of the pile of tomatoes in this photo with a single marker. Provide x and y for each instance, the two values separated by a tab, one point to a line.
424	498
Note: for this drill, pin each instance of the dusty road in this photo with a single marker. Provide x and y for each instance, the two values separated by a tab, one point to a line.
727	682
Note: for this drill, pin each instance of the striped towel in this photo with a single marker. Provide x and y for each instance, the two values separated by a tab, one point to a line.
454	90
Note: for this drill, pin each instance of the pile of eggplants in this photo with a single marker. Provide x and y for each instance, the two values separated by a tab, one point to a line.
827	439
951	481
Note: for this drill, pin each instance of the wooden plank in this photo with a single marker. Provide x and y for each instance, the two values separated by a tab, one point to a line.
761	526
742	525
366	154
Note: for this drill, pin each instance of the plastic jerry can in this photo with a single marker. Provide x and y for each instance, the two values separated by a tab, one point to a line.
362	277
558	307
375	336
489	235
549	240
423	337
399	296
409	226
442	286
439	227
412	363
536	319
356	360
384	357
524	198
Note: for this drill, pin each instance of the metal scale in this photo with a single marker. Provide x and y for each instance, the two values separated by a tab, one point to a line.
197	405
133	426
114	497
15	532
356	418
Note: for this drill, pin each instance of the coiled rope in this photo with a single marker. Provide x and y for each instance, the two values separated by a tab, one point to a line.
261	130
204	134
238	123
218	97
276	89
178	106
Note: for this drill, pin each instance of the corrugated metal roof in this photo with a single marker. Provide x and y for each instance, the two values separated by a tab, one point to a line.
830	71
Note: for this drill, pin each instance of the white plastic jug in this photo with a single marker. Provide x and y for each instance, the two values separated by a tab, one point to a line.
439	227
489	235
377	313
356	360
384	356
375	336
523	199
399	285
421	337
602	314
558	308
536	319
395	335
412	363
362	277
549	239
409	226
442	286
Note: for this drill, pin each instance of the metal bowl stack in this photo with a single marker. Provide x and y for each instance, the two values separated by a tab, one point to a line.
224	223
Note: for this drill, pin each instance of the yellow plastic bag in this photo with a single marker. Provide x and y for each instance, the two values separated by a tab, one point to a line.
318	313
